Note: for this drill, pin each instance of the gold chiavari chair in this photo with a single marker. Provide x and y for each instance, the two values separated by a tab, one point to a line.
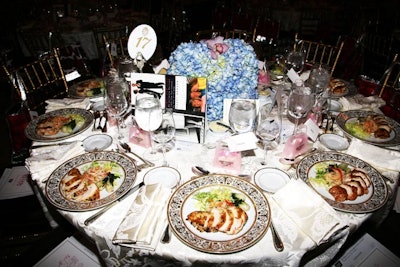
39	80
207	34
238	34
317	53
111	33
116	48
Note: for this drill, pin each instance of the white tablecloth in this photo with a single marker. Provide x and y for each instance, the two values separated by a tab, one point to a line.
183	157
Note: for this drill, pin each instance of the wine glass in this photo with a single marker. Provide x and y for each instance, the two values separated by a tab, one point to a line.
165	133
116	101
148	115
295	61
242	115
300	102
269	126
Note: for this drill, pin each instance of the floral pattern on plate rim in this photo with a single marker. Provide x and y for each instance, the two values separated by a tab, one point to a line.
344	116
238	242
55	197
380	190
30	130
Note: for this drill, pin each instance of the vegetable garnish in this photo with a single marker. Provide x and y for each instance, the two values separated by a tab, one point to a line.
207	200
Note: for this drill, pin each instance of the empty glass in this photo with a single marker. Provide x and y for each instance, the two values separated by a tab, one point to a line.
269	126
242	115
300	102
165	133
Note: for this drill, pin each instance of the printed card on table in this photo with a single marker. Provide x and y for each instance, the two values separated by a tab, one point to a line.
186	96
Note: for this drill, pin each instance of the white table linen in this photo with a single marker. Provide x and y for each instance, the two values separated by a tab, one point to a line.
183	157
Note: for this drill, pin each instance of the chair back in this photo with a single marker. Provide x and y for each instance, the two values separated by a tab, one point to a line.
110	33
116	48
39	80
317	53
377	54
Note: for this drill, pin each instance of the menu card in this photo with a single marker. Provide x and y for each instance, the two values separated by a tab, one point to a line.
14	183
186	96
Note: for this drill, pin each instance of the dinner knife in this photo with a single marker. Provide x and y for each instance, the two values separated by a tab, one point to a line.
98	214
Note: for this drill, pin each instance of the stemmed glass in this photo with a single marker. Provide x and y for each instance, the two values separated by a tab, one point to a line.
295	60
165	133
269	126
148	115
300	102
242	115
116	101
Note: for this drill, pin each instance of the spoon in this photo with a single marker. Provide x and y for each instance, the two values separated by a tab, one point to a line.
278	244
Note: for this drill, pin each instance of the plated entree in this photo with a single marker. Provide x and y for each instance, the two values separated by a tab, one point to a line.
85	184
90	88
342	181
371	126
64	124
219	210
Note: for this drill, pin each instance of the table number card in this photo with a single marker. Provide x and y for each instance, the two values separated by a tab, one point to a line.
142	41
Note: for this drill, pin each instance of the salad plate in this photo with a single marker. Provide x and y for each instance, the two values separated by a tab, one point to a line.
271	179
90	181
82	120
319	171
194	196
166	176
350	123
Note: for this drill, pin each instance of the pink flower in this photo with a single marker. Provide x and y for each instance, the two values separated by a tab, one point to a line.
217	46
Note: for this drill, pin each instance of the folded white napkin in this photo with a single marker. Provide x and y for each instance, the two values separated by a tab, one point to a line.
44	160
313	216
55	104
361	102
146	219
378	157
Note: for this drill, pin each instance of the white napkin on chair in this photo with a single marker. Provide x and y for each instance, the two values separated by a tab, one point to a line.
146	219
313	216
44	160
55	104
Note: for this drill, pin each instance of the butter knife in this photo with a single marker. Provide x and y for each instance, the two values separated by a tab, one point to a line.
101	212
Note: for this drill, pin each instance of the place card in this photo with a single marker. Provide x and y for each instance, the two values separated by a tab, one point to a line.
312	129
242	142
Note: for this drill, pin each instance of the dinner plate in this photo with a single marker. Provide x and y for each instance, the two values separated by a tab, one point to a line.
97	142
122	168
90	88
334	141
344	119
271	179
166	176
182	202
377	192
30	130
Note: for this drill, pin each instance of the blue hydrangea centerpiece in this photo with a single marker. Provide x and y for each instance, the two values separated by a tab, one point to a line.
230	66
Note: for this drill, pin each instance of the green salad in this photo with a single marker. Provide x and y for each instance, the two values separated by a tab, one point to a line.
356	129
207	200
76	121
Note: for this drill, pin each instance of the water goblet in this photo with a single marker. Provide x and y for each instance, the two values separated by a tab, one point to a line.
300	102
116	101
165	133
295	61
242	115
269	127
148	115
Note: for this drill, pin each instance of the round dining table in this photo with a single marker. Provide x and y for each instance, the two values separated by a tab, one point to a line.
300	248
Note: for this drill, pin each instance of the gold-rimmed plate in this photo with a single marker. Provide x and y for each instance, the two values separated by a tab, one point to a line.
112	174
84	119
347	118
182	202
374	199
